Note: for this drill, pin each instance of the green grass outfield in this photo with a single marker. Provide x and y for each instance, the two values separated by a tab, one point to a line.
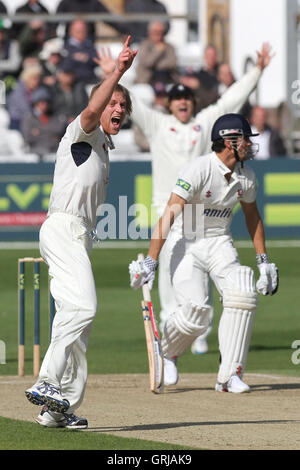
117	343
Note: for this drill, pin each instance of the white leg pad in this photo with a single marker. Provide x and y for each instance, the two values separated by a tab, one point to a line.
182	327
235	327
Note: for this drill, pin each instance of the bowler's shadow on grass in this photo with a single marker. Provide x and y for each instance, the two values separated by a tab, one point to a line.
254	388
274	387
161	426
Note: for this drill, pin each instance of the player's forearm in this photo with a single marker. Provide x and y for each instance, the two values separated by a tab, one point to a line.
236	96
257	234
90	117
103	94
159	237
163	227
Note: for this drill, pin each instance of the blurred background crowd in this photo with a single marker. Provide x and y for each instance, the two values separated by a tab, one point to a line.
47	70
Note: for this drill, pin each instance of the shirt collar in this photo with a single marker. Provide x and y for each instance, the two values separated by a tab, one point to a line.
223	168
109	141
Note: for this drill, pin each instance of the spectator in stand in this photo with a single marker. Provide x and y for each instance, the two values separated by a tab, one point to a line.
207	75
3	8
32	39
68	98
89	6
139	30
30	7
270	141
19	100
41	129
51	57
226	79
204	82
10	58
81	52
157	60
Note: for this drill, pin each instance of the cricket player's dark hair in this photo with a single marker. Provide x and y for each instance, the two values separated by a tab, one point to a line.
218	145
120	89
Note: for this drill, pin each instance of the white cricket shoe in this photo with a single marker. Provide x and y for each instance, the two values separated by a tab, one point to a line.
234	385
170	371
47	394
51	419
199	346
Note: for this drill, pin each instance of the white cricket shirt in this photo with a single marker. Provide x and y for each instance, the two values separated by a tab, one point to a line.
81	173
203	182
173	144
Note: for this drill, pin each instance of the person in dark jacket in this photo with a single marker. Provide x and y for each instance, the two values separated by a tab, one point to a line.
32	7
80	51
270	141
68	98
42	129
89	6
139	30
3	8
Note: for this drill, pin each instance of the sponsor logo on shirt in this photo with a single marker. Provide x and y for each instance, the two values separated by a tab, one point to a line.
208	194
225	213
183	184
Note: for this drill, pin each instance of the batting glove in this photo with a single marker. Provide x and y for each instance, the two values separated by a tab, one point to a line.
142	272
267	283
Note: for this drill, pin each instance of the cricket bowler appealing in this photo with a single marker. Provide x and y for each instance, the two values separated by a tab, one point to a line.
79	187
218	181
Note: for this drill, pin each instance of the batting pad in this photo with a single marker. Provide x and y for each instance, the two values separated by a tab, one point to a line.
182	327
235	327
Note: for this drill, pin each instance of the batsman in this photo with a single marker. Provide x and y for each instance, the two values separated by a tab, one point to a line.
214	183
175	139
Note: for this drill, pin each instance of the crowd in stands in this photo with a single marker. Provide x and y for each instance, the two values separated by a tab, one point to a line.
48	75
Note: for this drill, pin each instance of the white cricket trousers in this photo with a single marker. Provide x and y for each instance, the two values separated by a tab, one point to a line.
65	244
235	283
170	257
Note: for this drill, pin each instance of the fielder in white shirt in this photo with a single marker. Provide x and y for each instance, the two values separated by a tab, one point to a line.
79	188
176	139
216	183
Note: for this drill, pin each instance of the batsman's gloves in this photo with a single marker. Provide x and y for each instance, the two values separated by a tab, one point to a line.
142	272
267	283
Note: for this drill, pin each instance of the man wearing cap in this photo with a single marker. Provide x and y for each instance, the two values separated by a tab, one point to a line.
174	140
210	187
41	128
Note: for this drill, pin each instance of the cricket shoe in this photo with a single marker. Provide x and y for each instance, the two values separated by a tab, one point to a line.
234	385
74	422
199	346
47	394
170	371
51	419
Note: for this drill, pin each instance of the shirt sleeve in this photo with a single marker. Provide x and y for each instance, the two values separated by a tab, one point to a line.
251	187
76	133
188	182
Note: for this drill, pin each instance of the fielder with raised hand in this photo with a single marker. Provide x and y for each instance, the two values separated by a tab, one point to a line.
174	140
79	188
216	182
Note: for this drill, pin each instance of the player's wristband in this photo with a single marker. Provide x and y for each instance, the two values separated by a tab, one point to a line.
151	263
262	258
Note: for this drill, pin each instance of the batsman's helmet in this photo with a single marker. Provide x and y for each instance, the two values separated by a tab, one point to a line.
231	125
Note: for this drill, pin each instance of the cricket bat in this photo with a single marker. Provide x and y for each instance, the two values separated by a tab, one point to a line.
155	356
